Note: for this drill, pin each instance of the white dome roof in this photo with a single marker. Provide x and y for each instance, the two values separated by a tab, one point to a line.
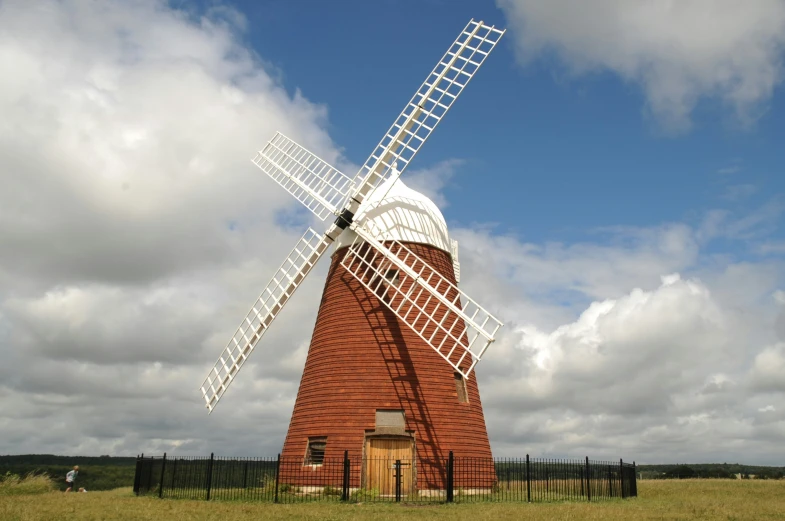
407	216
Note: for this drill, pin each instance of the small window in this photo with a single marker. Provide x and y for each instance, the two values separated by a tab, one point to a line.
460	388
315	453
392	277
390	419
383	286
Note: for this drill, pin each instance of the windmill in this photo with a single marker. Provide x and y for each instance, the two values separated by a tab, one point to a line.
389	369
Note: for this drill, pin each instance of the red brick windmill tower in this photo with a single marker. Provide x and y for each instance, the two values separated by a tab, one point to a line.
389	370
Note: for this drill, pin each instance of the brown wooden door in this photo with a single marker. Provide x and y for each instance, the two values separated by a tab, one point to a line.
381	454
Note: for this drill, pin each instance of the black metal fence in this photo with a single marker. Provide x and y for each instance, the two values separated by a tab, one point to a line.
454	479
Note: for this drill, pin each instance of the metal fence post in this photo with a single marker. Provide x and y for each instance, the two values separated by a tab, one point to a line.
277	473
397	481
161	483
150	474
634	484
610	482
141	467
450	465
142	471
174	471
588	480
528	481
210	475
621	476
547	470
345	487
136	476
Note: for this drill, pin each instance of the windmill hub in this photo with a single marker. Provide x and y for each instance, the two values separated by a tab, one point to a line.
345	219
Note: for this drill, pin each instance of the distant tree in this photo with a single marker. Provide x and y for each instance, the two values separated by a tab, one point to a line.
680	472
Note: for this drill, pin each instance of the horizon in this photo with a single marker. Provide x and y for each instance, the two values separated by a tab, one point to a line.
271	456
618	206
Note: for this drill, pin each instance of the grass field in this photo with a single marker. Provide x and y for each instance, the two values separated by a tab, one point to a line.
727	500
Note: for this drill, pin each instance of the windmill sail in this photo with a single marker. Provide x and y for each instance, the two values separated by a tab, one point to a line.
311	180
459	334
428	105
286	280
456	264
452	323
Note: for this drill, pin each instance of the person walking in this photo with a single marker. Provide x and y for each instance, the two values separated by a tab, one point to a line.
70	478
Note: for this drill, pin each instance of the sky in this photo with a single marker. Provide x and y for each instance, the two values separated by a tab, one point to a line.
614	175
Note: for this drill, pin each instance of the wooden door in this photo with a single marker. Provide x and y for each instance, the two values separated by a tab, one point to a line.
381	455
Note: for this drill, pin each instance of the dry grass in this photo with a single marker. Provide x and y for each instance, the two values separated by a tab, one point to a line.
673	500
13	485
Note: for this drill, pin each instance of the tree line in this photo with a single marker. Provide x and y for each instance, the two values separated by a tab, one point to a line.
95	473
710	470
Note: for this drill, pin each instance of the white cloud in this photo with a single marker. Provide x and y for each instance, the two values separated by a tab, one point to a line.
755	225
768	370
134	231
656	336
432	180
633	256
678	52
126	139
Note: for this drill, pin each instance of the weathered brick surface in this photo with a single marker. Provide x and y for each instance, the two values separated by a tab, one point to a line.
363	358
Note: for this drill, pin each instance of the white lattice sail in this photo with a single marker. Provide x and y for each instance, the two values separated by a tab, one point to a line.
312	181
428	105
286	280
450	321
456	264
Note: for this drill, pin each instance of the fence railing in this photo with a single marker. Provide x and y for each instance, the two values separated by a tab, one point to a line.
454	479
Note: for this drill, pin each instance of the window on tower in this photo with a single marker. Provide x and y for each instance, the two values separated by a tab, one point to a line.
392	277
460	388
383	285
314	455
390	421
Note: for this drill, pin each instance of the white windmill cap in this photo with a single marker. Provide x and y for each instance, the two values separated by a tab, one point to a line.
406	214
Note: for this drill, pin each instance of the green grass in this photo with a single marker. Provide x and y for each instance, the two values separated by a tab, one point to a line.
727	500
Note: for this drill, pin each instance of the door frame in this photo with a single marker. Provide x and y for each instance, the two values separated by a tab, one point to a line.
372	436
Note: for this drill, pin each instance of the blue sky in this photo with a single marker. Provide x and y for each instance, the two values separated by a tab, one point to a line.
614	175
547	156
